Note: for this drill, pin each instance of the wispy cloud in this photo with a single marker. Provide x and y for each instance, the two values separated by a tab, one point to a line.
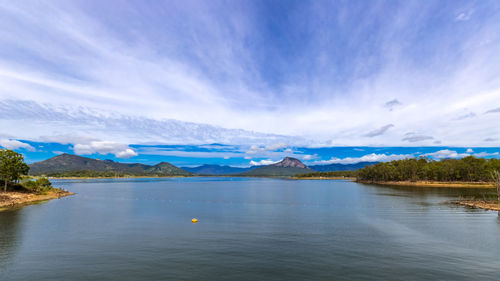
83	125
188	74
413	137
379	131
466	116
495	110
464	16
373	157
392	104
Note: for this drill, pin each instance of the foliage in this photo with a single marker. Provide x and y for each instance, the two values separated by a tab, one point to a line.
38	185
495	175
468	169
12	166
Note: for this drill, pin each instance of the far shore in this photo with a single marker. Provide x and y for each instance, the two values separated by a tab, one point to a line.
324	178
453	184
124	177
14	199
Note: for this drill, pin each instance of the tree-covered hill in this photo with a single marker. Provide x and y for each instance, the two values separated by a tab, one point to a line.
216	170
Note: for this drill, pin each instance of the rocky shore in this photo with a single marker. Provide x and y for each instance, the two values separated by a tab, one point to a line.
487	205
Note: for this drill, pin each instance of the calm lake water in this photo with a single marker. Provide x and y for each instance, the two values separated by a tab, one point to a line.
249	229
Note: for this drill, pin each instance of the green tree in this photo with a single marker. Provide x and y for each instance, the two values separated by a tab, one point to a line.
12	166
496	179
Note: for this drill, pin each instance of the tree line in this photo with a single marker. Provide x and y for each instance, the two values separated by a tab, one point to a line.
468	169
14	171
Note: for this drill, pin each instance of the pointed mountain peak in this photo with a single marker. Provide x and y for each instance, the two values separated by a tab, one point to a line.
289	162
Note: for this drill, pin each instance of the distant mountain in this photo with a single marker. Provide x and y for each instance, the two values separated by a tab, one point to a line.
341	167
287	167
73	165
216	170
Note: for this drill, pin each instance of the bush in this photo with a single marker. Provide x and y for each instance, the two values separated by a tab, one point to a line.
39	185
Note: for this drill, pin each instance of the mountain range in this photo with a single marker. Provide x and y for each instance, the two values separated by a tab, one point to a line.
341	167
216	170
73	165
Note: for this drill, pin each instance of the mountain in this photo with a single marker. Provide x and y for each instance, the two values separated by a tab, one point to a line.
287	167
73	165
341	167
216	170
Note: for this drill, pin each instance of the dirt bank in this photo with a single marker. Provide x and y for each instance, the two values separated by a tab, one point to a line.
14	199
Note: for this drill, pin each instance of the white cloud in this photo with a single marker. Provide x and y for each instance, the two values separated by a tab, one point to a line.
254	149
446	153
310	157
465	16
105	147
127	153
263	162
486	154
366	158
15	144
276	146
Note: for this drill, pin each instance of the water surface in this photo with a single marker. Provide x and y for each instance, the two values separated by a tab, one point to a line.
249	229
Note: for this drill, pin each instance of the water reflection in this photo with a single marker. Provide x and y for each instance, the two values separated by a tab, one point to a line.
424	192
10	228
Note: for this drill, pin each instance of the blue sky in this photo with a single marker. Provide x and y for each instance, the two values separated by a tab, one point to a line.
162	80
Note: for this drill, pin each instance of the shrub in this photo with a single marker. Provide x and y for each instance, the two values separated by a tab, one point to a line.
39	185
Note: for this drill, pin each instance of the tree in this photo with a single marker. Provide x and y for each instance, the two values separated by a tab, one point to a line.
496	179
12	166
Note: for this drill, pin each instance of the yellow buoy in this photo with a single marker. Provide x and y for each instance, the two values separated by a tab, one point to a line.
194	220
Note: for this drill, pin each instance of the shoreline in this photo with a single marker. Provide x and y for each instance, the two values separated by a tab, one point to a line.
479	204
324	178
432	184
14	199
125	177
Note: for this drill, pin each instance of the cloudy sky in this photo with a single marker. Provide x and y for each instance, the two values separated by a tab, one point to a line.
241	82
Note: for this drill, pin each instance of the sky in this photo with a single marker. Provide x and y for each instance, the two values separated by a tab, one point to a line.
249	82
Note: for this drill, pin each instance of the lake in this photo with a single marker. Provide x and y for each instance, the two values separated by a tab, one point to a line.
249	229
